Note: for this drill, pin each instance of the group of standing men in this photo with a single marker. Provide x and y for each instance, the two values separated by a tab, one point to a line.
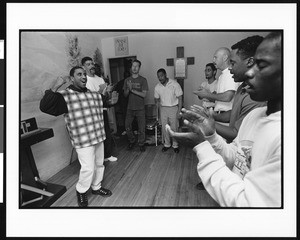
247	171
83	105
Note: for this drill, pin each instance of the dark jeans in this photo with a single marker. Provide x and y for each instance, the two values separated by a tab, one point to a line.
140	116
108	141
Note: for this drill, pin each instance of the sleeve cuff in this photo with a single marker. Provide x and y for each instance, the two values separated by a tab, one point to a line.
212	138
203	150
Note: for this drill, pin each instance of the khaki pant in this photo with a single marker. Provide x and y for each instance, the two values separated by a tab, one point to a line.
92	168
168	115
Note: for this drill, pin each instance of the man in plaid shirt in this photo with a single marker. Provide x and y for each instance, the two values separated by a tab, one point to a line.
83	113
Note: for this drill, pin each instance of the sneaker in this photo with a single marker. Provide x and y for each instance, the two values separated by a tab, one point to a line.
130	146
200	186
102	192
176	150
142	148
164	149
111	159
82	199
123	133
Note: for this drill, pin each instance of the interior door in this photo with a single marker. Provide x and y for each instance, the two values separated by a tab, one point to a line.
118	66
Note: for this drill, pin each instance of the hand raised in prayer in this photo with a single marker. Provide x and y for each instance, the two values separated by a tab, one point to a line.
189	139
109	88
200	119
201	93
114	98
102	88
200	123
129	85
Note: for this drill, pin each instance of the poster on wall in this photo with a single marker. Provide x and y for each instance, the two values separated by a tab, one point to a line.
180	68
121	46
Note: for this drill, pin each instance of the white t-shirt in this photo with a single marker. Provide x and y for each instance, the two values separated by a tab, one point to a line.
94	82
168	94
254	157
225	83
212	88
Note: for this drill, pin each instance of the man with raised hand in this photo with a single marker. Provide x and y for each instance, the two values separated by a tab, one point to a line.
83	113
226	86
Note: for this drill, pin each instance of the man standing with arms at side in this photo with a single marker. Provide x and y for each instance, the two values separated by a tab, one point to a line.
136	87
96	84
168	95
226	86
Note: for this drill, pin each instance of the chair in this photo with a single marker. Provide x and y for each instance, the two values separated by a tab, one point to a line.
152	122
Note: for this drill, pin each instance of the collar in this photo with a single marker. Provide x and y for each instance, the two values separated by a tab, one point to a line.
225	70
77	89
166	84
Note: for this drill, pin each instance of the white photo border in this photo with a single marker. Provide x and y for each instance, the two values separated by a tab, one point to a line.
151	222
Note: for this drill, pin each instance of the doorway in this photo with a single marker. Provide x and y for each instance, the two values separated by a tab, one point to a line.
118	66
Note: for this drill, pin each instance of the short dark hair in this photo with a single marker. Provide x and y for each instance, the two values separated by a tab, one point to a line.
247	47
139	62
213	67
83	60
162	70
72	71
276	38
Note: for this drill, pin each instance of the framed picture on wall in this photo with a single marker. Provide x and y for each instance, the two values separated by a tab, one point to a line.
180	68
121	46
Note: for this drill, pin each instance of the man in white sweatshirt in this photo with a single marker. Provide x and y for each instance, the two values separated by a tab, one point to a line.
246	172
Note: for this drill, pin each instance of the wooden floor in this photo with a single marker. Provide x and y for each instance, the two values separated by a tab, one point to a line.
141	179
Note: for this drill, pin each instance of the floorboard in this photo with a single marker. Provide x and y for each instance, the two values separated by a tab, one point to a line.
141	179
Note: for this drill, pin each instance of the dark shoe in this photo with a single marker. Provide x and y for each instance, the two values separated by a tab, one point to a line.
130	146
200	186
82	199
176	150
142	148
164	149
102	192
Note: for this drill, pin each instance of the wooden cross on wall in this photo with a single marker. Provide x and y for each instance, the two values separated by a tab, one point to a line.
189	61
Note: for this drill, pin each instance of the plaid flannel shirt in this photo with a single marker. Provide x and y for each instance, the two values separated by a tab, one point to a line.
84	119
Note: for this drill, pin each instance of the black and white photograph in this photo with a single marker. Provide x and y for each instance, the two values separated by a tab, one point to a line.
150	120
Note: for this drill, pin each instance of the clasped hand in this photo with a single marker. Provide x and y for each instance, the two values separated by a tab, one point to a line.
201	92
200	123
129	85
114	98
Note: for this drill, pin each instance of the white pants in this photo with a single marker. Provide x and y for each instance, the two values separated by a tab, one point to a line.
168	115
92	168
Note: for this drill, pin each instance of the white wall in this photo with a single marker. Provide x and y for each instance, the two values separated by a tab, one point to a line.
44	57
153	48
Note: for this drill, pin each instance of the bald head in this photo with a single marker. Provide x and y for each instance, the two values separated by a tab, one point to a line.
221	58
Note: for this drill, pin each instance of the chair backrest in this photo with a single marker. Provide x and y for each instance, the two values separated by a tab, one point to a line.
151	111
